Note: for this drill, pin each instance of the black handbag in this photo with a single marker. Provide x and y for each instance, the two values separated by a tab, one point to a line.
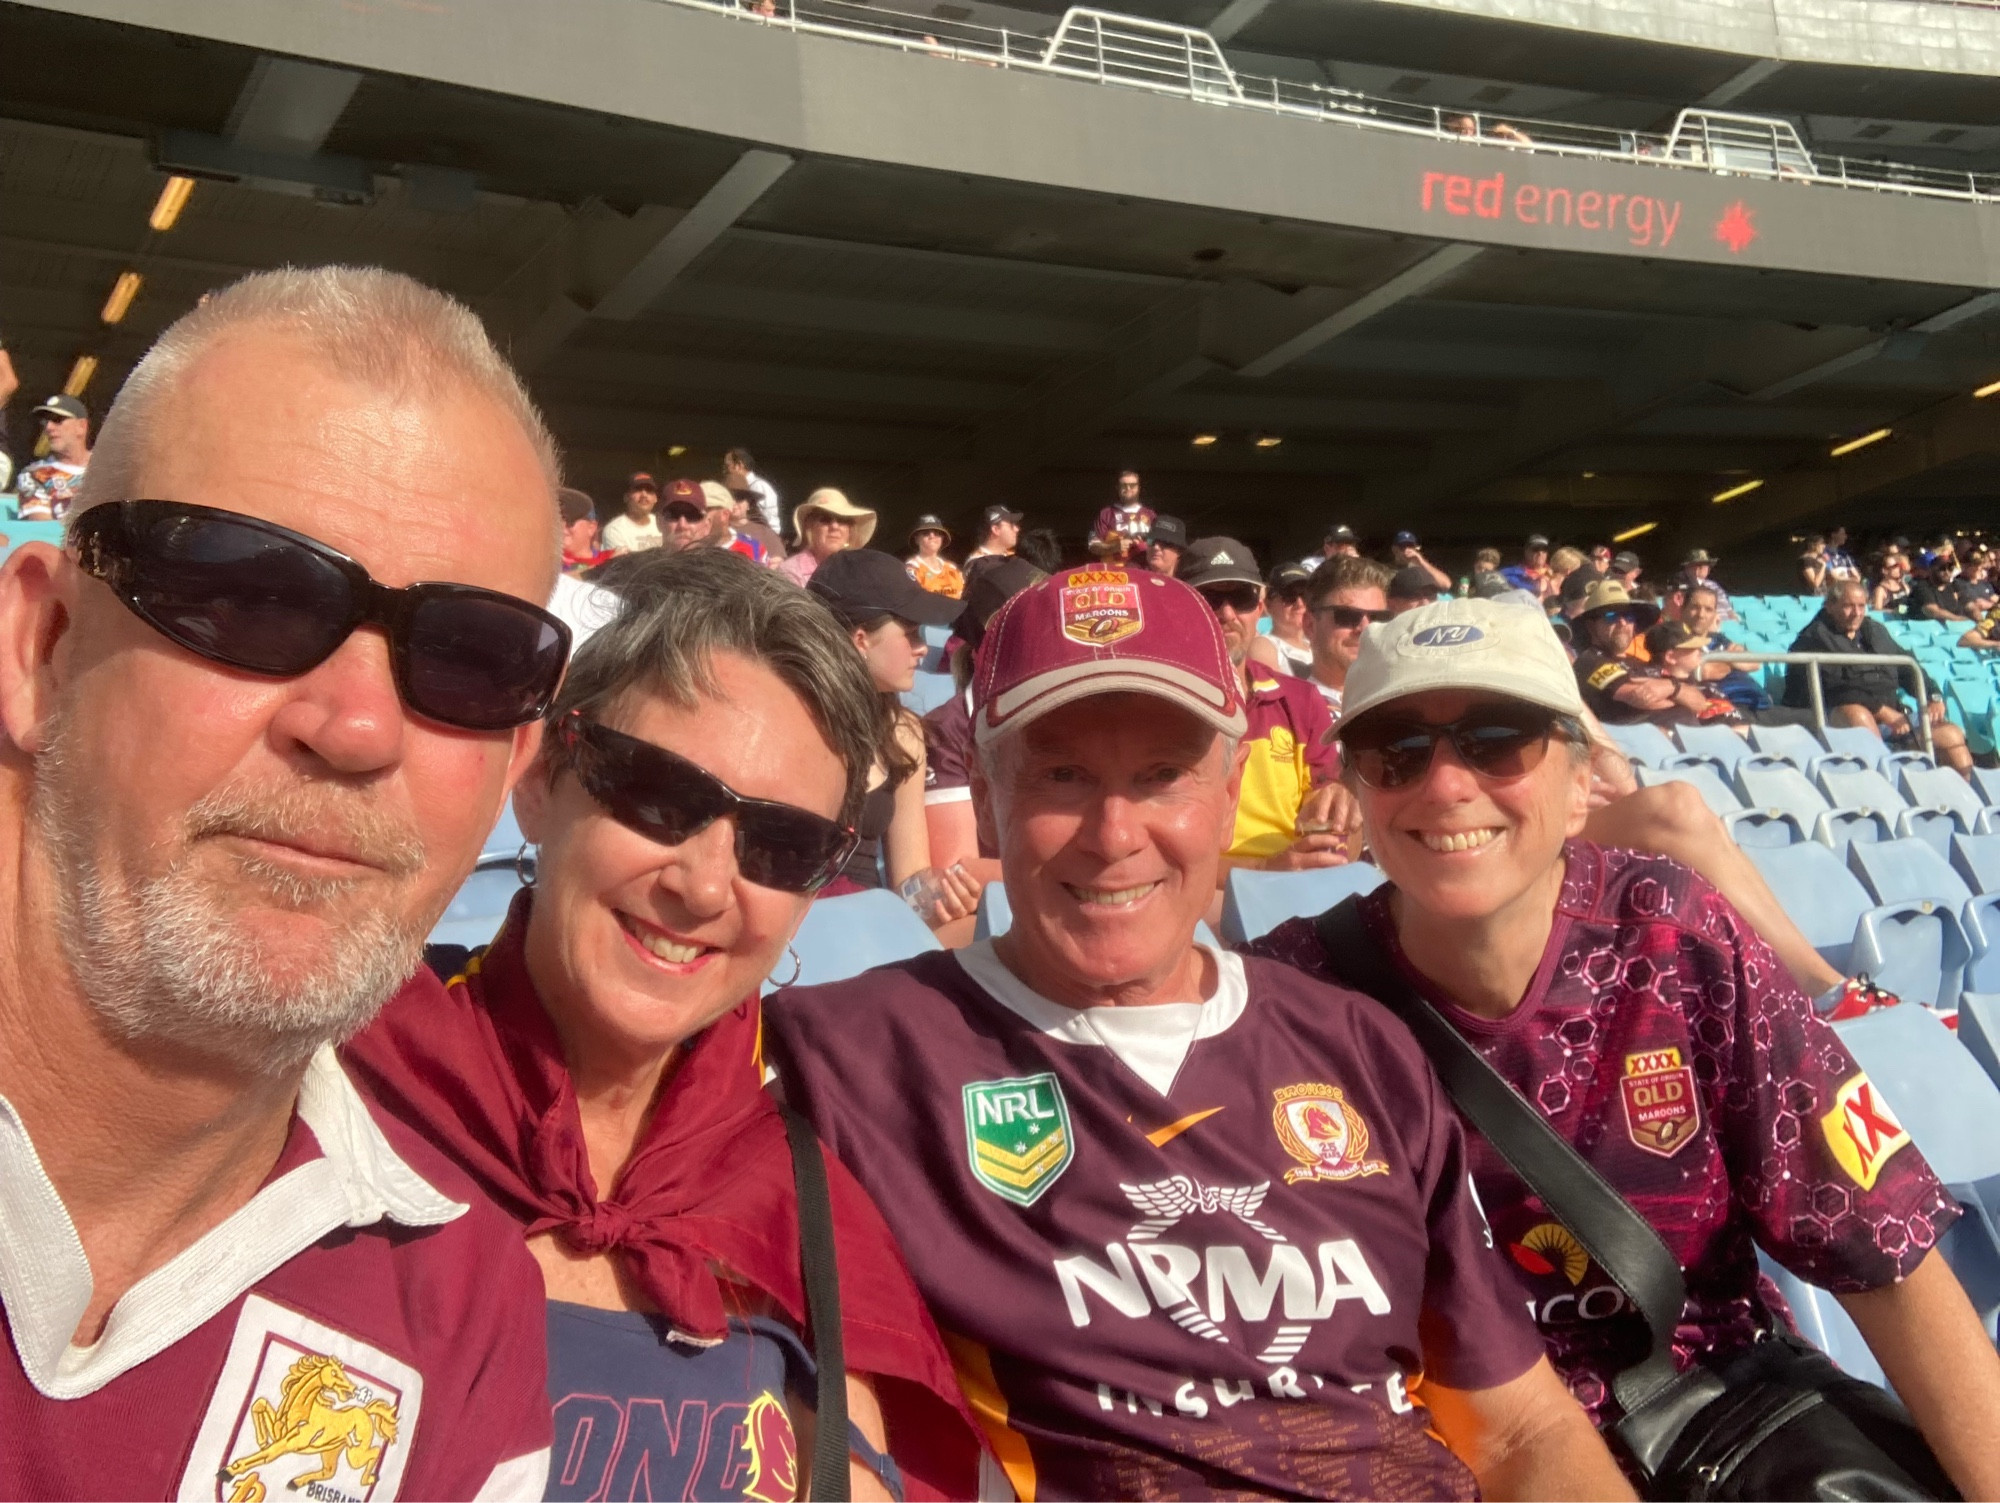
1776	1419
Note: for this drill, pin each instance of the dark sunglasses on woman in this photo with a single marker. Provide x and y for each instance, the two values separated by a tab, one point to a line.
667	798
1496	741
253	595
1348	617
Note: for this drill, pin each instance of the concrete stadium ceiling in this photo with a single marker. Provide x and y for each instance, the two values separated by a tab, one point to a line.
933	340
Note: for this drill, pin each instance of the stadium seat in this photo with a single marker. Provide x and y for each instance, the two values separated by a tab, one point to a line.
1981	918
1907	871
1941	788
844	936
1254	902
1855	741
1706	780
1861	790
928	692
1979	1029
1819	895
1764	827
1713	743
1794	743
1645	744
1935	827
996	916
1987	781
1977	859
474	914
1824	1322
1916	949
1779	788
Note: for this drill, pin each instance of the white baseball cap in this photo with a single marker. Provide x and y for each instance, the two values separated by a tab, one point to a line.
1494	646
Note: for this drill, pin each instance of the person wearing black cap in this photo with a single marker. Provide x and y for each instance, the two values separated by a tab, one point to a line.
928	566
949	754
1287	646
1532	572
999	531
1406	551
1411	587
1166	541
1339	542
871	594
579	523
47	487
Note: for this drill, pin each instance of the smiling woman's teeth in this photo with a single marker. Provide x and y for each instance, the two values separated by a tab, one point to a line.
1458	840
1114	897
667	950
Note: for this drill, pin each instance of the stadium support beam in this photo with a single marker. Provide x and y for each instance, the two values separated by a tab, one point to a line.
1407	283
1738	84
289	107
1234	16
715	211
1901	345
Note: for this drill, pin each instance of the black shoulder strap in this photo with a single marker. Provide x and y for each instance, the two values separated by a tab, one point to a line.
1621	1240
822	1281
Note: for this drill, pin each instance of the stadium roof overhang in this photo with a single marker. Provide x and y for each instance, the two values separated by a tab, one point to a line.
934	282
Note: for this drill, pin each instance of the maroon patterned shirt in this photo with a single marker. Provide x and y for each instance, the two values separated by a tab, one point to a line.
1662	1038
1190	1250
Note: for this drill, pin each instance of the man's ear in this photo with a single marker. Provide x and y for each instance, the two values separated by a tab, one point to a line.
37	585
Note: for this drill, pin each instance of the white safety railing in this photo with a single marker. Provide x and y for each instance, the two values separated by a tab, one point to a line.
1134	52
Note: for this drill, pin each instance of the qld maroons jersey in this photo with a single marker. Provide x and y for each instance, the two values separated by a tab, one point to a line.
1187	1250
1661	1037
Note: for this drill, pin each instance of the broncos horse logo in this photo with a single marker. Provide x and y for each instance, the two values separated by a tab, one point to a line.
310	1419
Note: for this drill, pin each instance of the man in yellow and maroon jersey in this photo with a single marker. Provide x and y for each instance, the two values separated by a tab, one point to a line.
1194	1226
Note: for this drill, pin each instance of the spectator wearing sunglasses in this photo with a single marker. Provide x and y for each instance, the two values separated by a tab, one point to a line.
1620	687
882	610
1079	1128
636	529
1284	818
249	760
827	523
1652	1027
683	517
1289	639
47	487
597	1066
1347	593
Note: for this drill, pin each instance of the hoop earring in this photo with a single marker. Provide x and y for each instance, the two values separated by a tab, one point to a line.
797	966
524	865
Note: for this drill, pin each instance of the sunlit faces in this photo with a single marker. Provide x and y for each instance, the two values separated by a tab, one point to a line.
1611	632
1336	633
1698	612
634	946
682	528
1463	846
894	650
1237	608
826	535
1110	815
640	501
310	829
1847	607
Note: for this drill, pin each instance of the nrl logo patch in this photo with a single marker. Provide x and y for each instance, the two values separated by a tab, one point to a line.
1017	1135
1662	1112
1100	607
302	1409
1318	1127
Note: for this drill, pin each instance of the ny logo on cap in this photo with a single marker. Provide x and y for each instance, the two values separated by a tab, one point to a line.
1446	636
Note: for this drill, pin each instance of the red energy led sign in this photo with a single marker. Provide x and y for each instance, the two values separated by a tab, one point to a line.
1643	222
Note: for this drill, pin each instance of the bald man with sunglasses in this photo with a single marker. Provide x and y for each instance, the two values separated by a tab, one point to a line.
259	716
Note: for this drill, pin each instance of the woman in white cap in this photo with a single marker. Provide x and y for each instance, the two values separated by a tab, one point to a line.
1650	1027
825	524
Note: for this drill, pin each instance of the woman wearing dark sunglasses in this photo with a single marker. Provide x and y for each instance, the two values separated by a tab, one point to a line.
1651	1026
598	1066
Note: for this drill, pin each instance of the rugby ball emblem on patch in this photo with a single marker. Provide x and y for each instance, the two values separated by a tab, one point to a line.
1318	1127
1861	1130
302	1409
1662	1112
1100	607
1017	1135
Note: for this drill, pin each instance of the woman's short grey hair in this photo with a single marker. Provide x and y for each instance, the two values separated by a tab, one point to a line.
377	327
679	610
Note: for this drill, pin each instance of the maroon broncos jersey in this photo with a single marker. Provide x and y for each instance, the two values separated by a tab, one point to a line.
1188	1250
1663	1039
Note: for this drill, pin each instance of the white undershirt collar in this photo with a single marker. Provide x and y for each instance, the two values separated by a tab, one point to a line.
1152	1042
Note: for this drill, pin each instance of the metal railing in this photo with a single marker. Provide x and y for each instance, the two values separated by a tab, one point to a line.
1816	660
1134	52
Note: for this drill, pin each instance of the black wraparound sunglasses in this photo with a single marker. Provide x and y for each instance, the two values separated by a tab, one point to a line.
667	798
1348	617
252	595
1495	741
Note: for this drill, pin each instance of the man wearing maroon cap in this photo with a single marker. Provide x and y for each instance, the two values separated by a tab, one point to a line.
683	519
1193	1225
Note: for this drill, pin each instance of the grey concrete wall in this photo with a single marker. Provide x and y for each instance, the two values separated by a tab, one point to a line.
824	95
1865	33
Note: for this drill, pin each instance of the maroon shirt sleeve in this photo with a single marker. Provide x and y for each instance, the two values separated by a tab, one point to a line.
947	747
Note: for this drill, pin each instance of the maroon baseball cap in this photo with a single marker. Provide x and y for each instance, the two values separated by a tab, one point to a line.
684	499
1103	631
641	481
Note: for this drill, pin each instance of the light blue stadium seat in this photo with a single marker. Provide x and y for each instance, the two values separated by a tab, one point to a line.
1794	743
1941	788
935	635
1987	781
1824	1322
996	916
1981	917
1716	743
1907	871
1819	894
844	936
928	692
1917	949
1764	827
1705	779
1979	1029
1254	902
1934	827
1778	787
1855	741
1861	790
475	911
1645	744
1894	761
1977	859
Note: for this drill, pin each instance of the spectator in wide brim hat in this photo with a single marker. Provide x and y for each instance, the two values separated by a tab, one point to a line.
826	523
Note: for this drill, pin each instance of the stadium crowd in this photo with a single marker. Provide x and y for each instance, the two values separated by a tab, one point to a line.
1091	1206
